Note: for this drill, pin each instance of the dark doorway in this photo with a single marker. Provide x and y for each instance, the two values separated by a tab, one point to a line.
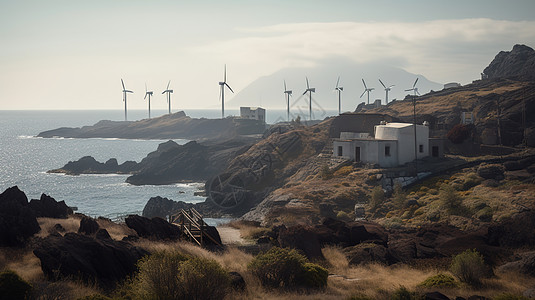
434	151
357	154
340	152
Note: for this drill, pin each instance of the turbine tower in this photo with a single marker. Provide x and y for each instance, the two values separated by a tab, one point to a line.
387	89
169	92
222	84
415	89
366	90
339	89
147	93
310	91
288	95
124	99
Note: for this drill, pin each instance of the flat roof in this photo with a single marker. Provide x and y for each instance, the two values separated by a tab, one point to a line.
397	125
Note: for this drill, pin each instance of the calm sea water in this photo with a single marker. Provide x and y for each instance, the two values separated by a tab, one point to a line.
24	160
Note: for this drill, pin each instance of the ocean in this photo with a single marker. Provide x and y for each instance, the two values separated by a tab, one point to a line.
24	160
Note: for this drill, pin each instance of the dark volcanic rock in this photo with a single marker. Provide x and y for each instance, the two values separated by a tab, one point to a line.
515	232
17	219
163	207
519	62
48	207
102	261
155	228
102	234
492	171
236	281
88	165
88	226
301	238
435	296
525	265
366	253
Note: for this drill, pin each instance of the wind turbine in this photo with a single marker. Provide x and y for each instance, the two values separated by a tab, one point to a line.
387	89
288	95
414	88
147	93
366	90
124	98
339	89
310	91
169	92
222	84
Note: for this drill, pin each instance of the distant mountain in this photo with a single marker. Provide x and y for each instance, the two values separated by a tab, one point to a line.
268	91
519	62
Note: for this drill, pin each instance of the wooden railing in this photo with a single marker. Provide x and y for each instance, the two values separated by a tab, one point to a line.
193	226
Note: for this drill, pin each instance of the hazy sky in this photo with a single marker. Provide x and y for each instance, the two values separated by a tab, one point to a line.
72	54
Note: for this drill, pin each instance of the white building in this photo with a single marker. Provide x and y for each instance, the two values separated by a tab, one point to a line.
393	144
255	113
451	85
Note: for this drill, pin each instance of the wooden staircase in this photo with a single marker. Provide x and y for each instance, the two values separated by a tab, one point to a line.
193	227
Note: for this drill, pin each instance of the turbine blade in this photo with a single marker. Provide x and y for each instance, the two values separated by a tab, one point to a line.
145	96
122	82
229	87
364	83
168	84
409	90
284	85
338	81
146	87
308	87
382	83
363	93
225	75
415	82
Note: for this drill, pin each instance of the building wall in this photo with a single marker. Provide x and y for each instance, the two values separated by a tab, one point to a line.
371	151
405	140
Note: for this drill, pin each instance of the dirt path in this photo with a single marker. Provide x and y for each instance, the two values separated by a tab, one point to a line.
230	236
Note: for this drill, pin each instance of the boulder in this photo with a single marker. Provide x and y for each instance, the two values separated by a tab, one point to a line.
88	226
435	296
163	207
155	228
103	261
402	250
525	265
519	62
17	220
102	234
365	253
302	238
236	281
515	232
48	207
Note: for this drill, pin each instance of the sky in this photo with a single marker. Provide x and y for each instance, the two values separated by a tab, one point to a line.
73	54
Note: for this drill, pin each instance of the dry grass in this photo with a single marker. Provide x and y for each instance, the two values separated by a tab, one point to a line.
248	230
63	289
116	231
22	262
70	224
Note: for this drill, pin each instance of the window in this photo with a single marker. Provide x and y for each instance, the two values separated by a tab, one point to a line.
339	150
387	150
421	148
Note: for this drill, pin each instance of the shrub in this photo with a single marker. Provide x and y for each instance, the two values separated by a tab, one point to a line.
459	133
439	281
326	173
12	286
449	199
377	198
281	267
403	294
469	267
314	276
343	171
398	196
172	275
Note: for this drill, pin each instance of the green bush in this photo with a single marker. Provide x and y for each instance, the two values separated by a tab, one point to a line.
172	275
403	294
286	268
439	281
314	276
13	287
278	267
469	267
377	198
508	296
449	198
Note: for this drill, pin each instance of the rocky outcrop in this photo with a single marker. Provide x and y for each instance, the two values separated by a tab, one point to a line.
524	265
17	220
519	62
514	232
170	126
88	226
155	228
103	261
170	163
48	207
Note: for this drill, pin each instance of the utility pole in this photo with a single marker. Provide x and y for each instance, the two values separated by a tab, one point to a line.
415	140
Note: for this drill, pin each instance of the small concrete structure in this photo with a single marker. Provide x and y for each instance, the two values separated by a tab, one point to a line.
254	113
467	118
451	85
393	144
